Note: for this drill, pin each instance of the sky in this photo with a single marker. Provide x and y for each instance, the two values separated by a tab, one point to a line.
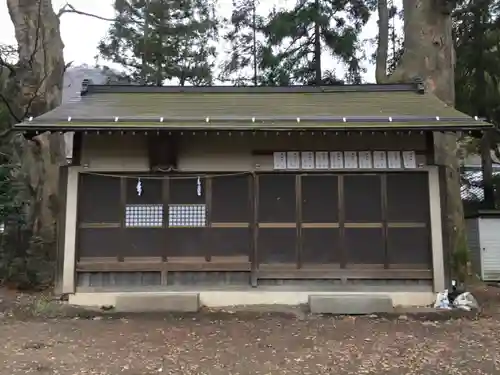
81	34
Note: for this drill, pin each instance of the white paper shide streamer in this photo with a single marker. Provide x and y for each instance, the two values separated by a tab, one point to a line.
138	187
198	187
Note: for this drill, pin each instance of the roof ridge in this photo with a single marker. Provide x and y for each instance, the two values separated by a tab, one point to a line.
89	88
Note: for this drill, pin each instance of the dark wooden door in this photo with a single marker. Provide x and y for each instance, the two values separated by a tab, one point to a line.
408	221
277	230
319	220
363	221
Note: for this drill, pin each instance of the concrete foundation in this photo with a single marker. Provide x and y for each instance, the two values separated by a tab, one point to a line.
223	298
354	304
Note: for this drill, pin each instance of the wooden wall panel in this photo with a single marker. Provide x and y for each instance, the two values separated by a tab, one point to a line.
364	246
320	198
99	199
362	198
277	198
320	246
409	246
277	245
231	201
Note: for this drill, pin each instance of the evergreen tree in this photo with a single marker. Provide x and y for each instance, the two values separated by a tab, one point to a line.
244	37
477	80
477	69
162	40
296	39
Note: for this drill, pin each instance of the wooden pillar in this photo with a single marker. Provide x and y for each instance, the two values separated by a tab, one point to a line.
70	230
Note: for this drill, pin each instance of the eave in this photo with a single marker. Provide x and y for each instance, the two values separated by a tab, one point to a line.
327	123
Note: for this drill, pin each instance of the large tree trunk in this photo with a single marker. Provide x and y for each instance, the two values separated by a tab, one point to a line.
35	88
429	55
40	68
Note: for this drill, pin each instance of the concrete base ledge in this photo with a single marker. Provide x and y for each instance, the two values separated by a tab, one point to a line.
174	302
350	304
224	298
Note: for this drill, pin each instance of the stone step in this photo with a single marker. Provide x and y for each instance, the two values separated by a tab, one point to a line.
350	304
171	302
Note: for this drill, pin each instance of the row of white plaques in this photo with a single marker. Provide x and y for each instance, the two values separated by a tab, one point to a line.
344	159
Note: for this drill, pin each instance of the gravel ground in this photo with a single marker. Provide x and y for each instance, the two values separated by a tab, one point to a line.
246	343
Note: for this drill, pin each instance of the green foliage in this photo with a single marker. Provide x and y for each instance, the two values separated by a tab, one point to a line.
178	45
25	261
476	31
291	54
245	45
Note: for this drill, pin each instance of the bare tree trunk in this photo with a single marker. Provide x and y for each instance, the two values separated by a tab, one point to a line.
429	55
383	42
487	169
41	62
317	49
35	88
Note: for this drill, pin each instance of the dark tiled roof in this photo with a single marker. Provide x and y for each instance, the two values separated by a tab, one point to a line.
335	107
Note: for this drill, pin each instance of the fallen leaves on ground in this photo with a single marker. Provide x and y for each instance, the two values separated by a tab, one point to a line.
249	343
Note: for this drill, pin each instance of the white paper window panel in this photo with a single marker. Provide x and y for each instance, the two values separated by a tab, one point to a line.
187	215
293	160
322	160
307	159
144	215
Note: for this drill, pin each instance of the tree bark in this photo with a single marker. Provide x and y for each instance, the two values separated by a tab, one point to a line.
383	42
487	170
317	48
429	55
36	88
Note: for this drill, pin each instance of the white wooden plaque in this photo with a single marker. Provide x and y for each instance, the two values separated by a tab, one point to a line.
379	159
307	159
394	159
409	159
337	160
350	159
292	160
322	160
279	160
365	159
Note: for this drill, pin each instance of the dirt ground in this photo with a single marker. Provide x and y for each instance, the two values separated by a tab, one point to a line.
40	337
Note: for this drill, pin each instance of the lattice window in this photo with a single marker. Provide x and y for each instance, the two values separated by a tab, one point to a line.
144	215
186	215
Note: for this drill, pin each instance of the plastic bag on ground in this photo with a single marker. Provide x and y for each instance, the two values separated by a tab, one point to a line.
442	301
466	301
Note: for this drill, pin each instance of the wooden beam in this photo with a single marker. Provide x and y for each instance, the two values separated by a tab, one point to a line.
298	220
376	274
163	266
254	184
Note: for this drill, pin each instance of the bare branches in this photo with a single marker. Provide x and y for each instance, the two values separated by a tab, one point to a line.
68	8
6	54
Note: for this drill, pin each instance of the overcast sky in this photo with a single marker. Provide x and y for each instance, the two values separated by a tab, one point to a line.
82	34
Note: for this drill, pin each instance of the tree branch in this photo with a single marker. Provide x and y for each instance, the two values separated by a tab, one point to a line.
9	108
5	132
383	42
37	34
68	8
5	64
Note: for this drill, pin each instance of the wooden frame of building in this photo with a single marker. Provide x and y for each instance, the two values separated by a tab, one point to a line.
252	194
